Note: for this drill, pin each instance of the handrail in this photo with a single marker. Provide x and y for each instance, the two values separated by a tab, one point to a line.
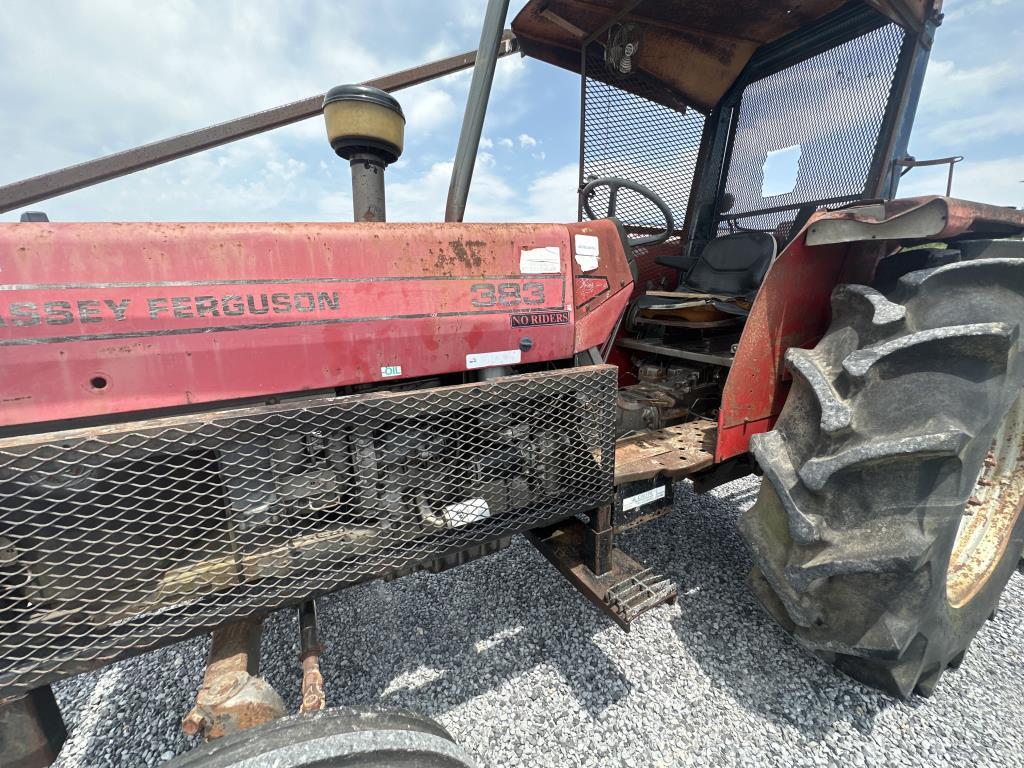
27	191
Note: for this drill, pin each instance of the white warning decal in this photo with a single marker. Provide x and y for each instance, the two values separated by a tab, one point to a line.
632	502
487	359
588	252
540	261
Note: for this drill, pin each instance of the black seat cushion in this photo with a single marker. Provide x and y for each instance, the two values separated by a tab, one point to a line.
682	263
733	265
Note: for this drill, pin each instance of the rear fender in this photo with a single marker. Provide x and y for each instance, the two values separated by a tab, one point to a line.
793	309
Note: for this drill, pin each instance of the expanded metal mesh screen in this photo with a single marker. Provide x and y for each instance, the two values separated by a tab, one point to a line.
778	223
808	133
117	539
628	134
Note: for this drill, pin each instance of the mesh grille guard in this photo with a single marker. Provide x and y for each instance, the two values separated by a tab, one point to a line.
118	539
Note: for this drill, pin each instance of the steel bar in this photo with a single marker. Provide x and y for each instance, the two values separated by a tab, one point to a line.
598	541
682	354
32	731
232	697
21	193
900	111
562	544
313	697
910	164
368	202
491	43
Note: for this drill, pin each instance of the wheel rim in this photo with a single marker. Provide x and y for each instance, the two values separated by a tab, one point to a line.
991	512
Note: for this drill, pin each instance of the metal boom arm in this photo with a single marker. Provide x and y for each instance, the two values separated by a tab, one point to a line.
21	193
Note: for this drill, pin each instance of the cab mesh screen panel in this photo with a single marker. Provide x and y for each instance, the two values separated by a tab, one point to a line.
626	133
807	134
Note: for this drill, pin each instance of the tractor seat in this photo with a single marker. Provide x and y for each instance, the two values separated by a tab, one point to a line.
729	267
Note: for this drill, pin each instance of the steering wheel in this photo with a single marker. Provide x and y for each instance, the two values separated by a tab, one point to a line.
614	184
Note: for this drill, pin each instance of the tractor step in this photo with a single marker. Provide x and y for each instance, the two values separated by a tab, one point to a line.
624	592
673	452
639	593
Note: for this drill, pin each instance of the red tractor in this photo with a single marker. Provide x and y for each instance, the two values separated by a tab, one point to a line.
202	423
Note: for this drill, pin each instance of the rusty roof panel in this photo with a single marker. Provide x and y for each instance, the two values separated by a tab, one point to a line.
757	21
715	40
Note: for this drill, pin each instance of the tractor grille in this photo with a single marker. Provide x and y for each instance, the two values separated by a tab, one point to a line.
125	537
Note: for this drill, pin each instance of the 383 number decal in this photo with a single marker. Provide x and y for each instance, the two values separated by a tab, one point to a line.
507	294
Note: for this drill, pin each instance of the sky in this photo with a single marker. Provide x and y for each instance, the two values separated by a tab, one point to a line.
83	79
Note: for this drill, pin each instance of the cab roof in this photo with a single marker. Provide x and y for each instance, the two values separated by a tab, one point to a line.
694	49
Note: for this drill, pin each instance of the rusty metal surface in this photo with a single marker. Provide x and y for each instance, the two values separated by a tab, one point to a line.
991	512
624	592
313	696
675	352
639	521
233	698
716	40
913	218
672	452
125	317
25	192
792	307
32	730
908	13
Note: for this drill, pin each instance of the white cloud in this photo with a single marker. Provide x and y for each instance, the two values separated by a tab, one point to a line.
956	10
427	108
978	126
142	72
163	68
547	197
252	179
970	104
552	196
286	170
422	197
509	72
949	87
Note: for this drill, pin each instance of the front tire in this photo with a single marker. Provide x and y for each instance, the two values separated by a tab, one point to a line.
888	522
356	737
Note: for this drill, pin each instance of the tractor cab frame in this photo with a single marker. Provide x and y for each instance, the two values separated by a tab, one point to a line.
745	122
710	94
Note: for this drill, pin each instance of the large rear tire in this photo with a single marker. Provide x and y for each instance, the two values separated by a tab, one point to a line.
888	522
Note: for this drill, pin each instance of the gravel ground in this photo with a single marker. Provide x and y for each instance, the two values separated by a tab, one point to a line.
524	672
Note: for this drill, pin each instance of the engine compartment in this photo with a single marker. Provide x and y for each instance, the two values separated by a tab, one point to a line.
119	538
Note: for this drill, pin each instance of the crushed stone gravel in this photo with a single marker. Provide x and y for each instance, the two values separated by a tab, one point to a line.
525	672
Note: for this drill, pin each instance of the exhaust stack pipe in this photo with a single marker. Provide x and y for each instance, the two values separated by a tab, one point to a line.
365	126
